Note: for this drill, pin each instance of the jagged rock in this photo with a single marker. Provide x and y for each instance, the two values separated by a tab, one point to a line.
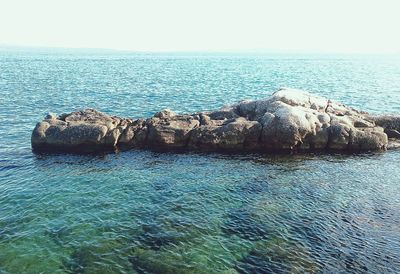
288	120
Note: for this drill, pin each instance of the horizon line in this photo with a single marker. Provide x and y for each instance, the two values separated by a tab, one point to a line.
18	47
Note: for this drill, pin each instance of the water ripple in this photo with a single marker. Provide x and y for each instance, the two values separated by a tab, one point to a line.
146	212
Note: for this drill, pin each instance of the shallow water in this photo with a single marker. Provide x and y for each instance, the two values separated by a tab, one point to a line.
147	212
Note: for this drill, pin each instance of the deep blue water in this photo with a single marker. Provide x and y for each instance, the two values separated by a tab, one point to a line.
147	212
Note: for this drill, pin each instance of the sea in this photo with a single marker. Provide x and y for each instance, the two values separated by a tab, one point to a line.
149	212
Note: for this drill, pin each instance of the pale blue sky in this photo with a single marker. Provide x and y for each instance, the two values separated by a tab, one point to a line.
350	26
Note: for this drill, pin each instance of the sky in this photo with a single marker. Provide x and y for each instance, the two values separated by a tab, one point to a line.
344	26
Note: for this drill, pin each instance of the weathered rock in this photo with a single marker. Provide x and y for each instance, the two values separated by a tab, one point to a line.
82	130
235	134
368	139
392	133
223	114
387	121
51	116
170	131
289	120
135	134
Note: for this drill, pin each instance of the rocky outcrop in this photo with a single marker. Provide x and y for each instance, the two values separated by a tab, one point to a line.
86	130
290	120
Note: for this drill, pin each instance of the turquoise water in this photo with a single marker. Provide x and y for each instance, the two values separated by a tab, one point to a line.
147	212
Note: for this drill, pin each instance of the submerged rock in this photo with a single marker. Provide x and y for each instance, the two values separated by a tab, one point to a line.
290	120
278	255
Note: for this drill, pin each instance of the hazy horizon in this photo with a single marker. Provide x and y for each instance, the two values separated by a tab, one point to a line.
310	26
55	49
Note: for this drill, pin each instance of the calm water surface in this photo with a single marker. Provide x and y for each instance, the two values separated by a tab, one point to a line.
147	212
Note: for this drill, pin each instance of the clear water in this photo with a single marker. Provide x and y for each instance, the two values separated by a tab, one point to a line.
146	212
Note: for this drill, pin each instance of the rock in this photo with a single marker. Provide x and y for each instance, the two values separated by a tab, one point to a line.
393	144
170	132
166	113
289	120
387	121
236	134
50	116
339	136
82	130
361	123
288	126
392	133
278	255
224	113
135	134
368	139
